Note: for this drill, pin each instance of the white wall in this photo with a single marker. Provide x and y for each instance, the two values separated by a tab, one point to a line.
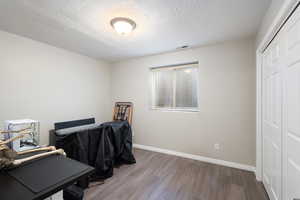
227	102
49	84
268	19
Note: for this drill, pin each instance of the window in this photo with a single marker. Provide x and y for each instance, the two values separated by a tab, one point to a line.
175	87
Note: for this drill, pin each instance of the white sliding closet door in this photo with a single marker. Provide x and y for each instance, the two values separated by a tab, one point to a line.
281	113
272	120
291	107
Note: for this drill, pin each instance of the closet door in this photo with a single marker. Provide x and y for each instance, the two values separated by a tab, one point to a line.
272	120
291	107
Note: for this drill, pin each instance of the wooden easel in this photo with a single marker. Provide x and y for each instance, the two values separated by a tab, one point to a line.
123	112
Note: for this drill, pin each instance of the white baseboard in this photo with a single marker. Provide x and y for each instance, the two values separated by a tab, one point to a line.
196	157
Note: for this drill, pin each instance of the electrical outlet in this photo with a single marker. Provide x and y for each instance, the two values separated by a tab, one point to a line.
217	146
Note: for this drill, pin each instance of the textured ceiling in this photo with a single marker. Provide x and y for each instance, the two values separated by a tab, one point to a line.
83	26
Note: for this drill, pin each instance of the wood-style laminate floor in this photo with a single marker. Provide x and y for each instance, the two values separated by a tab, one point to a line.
158	176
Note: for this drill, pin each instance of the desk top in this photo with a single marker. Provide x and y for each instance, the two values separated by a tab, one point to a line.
41	178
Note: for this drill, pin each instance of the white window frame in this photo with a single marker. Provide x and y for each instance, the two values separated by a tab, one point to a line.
174	109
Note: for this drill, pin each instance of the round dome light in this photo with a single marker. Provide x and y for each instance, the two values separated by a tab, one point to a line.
123	25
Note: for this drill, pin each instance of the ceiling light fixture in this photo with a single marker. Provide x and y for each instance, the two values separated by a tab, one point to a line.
123	25
188	71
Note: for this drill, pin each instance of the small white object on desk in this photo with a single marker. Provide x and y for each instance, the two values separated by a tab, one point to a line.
26	143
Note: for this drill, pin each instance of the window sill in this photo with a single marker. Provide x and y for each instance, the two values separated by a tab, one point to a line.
192	110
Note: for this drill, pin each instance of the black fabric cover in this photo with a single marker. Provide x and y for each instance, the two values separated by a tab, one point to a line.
102	147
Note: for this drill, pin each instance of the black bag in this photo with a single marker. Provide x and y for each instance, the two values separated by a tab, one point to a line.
73	192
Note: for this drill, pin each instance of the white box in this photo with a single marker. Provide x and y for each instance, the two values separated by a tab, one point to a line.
29	141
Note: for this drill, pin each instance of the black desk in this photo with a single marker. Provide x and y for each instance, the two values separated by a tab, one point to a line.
23	183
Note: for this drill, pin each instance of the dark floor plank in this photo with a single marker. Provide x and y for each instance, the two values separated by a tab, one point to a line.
158	176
